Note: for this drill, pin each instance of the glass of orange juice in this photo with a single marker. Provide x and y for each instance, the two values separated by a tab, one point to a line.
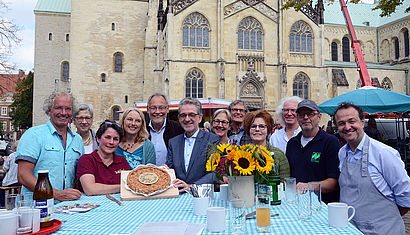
263	213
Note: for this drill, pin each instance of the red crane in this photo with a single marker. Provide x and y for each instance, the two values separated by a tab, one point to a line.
357	50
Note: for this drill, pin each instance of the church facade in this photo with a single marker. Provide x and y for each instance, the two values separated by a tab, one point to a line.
112	53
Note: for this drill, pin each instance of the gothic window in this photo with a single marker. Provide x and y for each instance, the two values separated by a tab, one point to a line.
195	31
386	84
406	42
250	34
65	71
300	37
116	114
103	77
334	51
194	84
50	36
118	59
396	48
301	85
346	49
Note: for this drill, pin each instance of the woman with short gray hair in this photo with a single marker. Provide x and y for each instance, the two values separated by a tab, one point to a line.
83	120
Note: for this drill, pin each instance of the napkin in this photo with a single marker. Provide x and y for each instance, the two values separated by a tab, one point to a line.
172	228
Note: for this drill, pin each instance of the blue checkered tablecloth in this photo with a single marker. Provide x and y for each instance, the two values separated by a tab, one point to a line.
110	218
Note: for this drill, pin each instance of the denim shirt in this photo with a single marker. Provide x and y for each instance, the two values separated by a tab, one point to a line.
44	147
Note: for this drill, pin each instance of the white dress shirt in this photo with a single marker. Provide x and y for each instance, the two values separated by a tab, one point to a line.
157	138
386	169
189	146
279	139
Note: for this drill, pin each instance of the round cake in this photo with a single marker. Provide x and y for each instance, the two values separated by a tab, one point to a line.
148	179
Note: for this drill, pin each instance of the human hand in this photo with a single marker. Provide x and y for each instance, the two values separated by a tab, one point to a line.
181	185
302	185
69	194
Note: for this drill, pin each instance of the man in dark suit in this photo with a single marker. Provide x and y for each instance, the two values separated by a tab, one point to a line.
159	127
188	152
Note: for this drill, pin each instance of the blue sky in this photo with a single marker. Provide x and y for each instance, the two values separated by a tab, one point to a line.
21	13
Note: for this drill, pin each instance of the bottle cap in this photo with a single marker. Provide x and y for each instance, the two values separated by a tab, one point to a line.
42	171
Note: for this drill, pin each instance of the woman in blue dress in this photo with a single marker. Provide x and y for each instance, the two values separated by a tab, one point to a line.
135	145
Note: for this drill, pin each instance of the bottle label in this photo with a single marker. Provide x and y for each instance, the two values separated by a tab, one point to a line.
46	209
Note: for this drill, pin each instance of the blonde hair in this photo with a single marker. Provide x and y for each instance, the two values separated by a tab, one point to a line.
142	133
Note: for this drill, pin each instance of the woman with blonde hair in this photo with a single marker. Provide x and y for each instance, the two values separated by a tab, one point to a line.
135	145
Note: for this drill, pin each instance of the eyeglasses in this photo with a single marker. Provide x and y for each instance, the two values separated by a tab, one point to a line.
289	110
160	108
219	122
79	119
110	123
238	110
184	115
261	127
309	114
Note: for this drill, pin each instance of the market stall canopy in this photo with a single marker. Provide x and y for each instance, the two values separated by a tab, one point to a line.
371	99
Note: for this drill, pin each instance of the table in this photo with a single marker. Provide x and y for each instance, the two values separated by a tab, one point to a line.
110	218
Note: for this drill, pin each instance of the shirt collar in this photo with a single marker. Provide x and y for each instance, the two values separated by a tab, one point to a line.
193	136
54	130
359	147
115	159
163	125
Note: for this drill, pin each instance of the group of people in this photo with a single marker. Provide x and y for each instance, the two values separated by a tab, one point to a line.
364	173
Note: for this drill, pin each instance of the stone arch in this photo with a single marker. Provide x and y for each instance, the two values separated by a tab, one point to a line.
404	35
385	50
369	55
301	85
115	113
386	84
252	93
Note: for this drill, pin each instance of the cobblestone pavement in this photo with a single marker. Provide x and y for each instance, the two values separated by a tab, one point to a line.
406	219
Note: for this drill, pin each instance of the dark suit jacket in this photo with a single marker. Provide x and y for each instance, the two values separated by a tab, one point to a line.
172	129
196	173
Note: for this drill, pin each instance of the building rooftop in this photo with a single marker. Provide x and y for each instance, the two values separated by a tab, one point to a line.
342	64
53	6
8	82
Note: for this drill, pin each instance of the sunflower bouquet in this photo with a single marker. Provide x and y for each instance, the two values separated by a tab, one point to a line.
234	160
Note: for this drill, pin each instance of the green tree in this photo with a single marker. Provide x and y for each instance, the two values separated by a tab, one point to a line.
386	6
22	108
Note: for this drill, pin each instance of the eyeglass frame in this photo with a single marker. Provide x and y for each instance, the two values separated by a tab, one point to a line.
288	110
159	108
261	127
87	119
190	115
219	122
309	114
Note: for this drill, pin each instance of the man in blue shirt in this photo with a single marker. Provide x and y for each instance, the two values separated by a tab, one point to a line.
373	178
52	146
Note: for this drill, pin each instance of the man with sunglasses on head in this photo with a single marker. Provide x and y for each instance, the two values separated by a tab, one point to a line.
52	146
188	152
83	120
313	154
161	129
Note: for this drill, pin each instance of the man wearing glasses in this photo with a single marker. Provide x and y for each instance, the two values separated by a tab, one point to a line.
286	111
83	119
313	154
237	132
188	152
52	146
161	129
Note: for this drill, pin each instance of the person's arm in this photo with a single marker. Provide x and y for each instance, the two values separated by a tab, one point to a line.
27	179
182	185
6	164
150	152
92	188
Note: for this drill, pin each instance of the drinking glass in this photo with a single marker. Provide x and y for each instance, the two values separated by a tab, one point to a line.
290	190
237	212
315	195
11	201
304	204
263	213
25	213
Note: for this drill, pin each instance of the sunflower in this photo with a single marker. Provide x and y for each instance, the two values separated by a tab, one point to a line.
264	161
244	162
213	162
227	150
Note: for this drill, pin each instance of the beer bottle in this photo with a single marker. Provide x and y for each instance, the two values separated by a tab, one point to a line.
43	198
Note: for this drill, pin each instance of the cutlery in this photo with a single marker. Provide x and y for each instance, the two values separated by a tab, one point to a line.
113	199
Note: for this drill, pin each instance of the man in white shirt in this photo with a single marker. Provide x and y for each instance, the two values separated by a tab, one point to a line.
286	111
373	178
159	127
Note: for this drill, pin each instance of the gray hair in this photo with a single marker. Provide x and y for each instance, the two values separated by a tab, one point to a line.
193	101
228	114
84	107
282	103
49	102
157	94
235	102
